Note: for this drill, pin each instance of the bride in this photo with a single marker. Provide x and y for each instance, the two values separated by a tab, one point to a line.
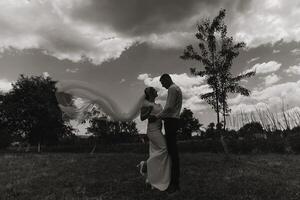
158	165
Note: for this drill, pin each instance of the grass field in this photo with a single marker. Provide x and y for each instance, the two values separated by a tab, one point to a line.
114	176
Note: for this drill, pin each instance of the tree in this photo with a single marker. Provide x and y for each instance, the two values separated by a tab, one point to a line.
210	131
230	84
217	52
210	57
99	127
249	130
103	128
31	111
189	123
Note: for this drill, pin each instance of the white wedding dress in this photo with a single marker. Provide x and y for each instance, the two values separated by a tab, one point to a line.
159	162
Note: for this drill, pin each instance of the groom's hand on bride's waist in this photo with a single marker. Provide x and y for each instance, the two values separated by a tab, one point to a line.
152	118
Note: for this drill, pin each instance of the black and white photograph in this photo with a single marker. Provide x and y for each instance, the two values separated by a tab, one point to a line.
149	99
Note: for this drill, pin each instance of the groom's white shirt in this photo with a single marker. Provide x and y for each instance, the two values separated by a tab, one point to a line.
173	104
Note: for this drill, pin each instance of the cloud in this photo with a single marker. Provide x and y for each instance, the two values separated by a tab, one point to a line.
149	81
45	74
102	30
170	40
56	32
273	96
289	92
136	18
253	59
295	52
122	80
295	69
75	70
267	22
276	51
5	85
271	79
263	68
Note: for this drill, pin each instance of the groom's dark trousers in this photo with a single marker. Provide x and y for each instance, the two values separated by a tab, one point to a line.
171	127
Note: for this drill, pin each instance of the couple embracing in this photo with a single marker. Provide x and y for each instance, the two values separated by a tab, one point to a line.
162	167
163	162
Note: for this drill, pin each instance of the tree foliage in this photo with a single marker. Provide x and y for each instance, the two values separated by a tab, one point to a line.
102	127
189	123
31	112
250	129
216	51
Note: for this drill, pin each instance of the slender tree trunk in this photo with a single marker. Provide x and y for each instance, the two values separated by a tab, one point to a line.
224	144
224	116
219	130
224	119
217	107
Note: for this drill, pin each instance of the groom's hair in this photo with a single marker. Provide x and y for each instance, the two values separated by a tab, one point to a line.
166	77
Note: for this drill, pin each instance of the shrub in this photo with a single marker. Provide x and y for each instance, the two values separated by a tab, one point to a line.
5	137
276	144
294	142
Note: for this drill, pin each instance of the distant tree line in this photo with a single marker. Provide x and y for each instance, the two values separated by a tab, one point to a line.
29	114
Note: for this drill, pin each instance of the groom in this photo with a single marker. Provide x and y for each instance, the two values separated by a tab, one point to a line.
170	115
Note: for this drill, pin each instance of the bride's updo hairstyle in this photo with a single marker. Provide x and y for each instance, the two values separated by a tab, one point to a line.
148	92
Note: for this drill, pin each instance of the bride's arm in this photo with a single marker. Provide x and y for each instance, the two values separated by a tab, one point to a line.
145	112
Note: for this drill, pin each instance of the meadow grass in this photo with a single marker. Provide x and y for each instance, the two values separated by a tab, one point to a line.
114	176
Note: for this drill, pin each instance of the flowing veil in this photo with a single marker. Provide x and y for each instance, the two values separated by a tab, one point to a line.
68	91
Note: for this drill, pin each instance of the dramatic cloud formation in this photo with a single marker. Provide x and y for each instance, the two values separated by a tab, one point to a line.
101	30
47	25
268	22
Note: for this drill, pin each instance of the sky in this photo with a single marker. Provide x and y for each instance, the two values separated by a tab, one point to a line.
124	46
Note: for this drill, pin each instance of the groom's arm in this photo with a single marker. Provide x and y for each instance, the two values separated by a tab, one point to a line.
145	112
